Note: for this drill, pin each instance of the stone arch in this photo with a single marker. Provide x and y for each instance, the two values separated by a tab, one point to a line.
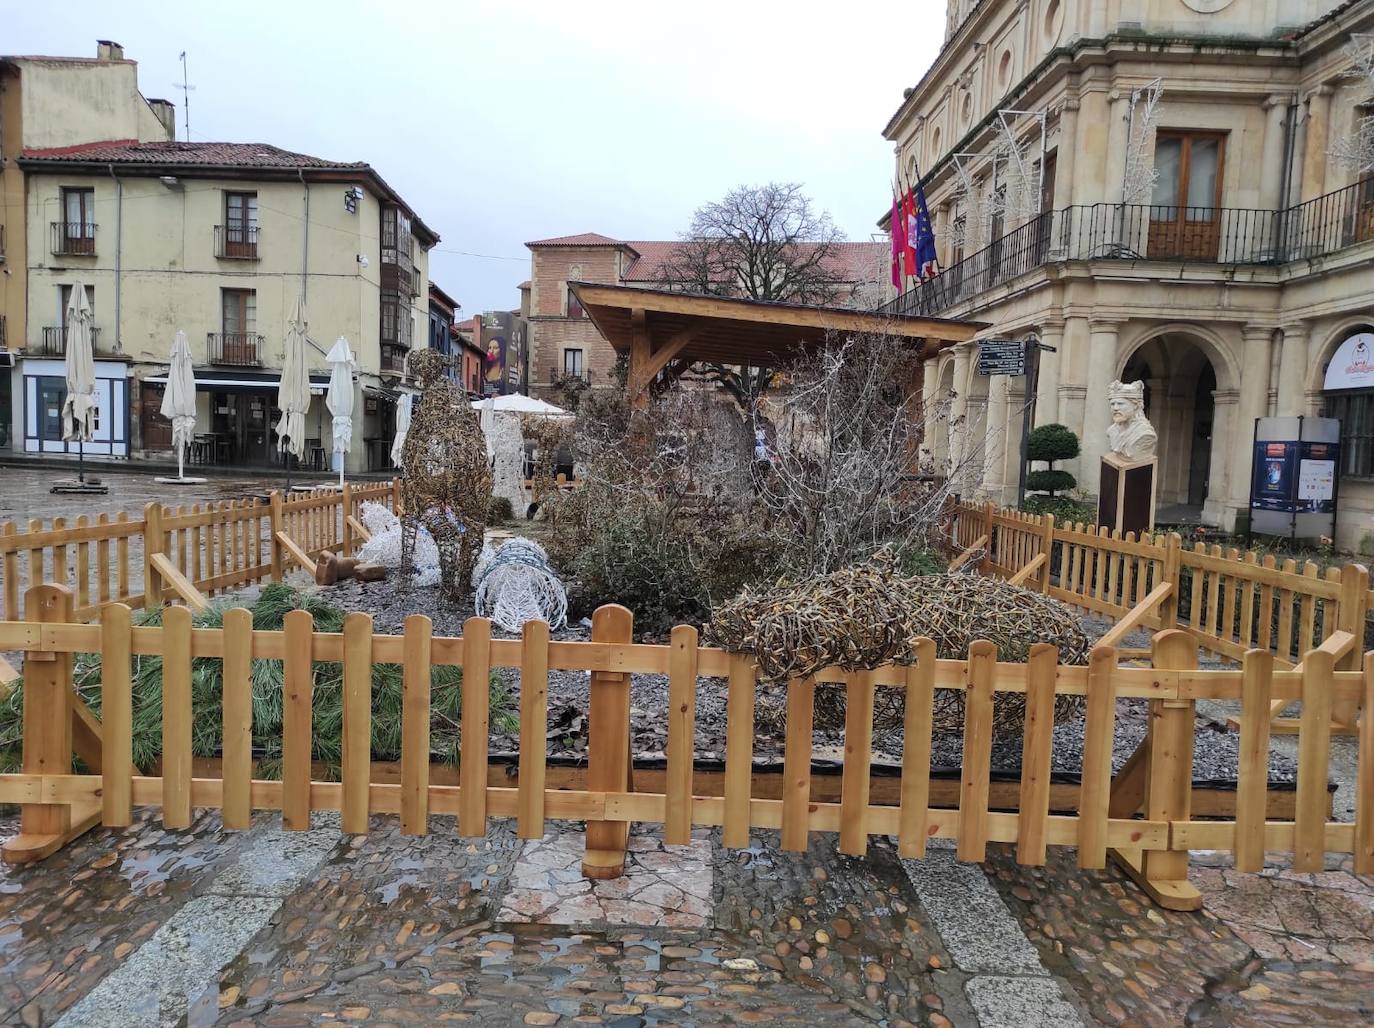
1219	350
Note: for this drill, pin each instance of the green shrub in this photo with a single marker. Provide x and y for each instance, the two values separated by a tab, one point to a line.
1050	443
207	690
1065	509
499	510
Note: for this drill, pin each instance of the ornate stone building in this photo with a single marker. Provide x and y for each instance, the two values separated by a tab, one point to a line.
1205	243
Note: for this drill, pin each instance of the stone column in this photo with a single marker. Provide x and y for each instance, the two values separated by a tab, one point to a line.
1016	424
1252	403
1227	436
1047	391
1271	171
1317	143
1096	410
1066	153
942	233
995	438
958	408
1292	369
1116	146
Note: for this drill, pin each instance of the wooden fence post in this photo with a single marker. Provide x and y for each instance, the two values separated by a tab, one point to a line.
152	545
275	500
1163	874
608	746
1047	548
396	496
1351	611
343	519
1171	572
986	562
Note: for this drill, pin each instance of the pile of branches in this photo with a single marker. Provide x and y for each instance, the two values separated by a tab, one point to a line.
207	693
869	615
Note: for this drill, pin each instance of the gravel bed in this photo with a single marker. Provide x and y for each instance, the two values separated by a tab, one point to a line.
1215	755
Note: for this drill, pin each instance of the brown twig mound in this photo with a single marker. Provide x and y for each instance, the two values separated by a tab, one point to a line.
866	616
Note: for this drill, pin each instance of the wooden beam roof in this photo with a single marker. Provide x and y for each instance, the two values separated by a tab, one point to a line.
749	332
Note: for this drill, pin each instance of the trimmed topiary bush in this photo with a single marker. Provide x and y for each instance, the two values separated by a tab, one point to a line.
1050	443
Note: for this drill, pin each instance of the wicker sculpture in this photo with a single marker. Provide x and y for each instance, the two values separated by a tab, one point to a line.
866	616
447	484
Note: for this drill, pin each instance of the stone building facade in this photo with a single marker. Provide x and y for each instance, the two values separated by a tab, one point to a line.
1212	248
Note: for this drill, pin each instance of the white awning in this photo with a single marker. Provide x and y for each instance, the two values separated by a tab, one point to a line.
266	385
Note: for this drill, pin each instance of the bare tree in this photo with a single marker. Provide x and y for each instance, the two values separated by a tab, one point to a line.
762	243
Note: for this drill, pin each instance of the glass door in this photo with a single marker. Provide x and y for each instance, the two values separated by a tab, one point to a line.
1185	212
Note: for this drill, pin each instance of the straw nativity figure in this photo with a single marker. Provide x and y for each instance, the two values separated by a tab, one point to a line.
447	485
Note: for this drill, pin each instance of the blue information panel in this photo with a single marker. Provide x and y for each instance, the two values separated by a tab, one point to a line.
1275	476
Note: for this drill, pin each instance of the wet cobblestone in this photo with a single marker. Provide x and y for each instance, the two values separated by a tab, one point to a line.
67	922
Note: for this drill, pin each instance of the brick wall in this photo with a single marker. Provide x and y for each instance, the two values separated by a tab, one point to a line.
551	331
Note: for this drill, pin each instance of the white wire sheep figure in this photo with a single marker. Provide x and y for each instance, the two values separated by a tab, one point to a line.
516	584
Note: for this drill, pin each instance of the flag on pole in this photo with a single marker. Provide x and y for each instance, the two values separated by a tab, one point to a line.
896	226
909	234
927	260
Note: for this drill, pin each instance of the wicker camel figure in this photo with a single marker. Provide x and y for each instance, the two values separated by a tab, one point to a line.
447	484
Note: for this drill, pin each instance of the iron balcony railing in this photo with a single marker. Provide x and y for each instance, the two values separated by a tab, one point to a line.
73	238
239	349
566	376
236	242
53	341
1152	232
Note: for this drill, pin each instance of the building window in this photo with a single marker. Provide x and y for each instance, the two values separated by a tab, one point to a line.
78	220
1189	167
64	300
574	309
239	311
1356	414
240	224
572	364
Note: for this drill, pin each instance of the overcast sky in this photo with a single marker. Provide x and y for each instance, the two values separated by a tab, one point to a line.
502	122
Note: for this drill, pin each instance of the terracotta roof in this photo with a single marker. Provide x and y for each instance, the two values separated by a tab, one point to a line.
157	157
581	239
220	155
851	262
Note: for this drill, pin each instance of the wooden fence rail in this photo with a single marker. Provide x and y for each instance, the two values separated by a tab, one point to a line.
1143	818
1229	602
213	547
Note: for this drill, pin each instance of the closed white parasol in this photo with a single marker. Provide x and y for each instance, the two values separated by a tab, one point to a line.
293	394
339	398
179	400
402	426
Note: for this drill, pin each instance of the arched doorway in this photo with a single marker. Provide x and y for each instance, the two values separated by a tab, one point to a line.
1180	401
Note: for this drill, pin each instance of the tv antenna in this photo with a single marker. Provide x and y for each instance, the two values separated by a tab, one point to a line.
186	90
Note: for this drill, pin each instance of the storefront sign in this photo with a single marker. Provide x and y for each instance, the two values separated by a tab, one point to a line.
1353	365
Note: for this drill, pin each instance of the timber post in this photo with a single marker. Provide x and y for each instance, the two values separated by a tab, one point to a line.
1047	548
1171	571
608	746
152	545
396	496
1163	874
277	528
1351	610
347	529
986	562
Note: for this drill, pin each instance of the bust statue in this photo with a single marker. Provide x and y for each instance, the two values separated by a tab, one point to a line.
1130	435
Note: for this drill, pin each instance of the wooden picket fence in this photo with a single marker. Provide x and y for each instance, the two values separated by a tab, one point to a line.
212	547
1142	817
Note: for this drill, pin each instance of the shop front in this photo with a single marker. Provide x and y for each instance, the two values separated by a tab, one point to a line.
44	390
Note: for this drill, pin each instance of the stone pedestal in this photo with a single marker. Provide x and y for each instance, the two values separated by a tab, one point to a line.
1126	494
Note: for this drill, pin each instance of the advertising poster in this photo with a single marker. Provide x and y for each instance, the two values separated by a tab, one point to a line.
1275	476
1317	478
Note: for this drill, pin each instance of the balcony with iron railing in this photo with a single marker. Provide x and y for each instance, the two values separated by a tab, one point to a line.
235	349
53	341
73	238
565	376
1151	232
236	242
394	358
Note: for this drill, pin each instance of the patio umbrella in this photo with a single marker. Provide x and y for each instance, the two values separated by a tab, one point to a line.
339	398
179	400
402	426
293	394
79	408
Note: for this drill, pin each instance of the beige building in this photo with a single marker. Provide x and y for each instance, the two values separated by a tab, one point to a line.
218	240
1207	245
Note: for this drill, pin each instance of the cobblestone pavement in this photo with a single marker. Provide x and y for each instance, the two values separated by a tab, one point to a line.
131	927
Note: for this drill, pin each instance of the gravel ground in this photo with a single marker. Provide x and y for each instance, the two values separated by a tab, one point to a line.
1215	748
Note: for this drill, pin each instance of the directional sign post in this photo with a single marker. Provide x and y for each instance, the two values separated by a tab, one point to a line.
1002	357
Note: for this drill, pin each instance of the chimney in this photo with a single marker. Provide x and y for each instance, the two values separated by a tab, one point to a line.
108	50
166	112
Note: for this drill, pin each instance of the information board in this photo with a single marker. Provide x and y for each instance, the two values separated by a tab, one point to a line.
1001	357
1276	466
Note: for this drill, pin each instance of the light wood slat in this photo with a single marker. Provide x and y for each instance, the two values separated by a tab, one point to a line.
12	610
116	715
1199	591
1214	596
739	750
534	727
858	759
298	688
1286	647
237	766
1307	613
83	565
232	529
122	558
1253	771
472	771
1314	754
917	724
59	553
36	576
681	738
176	717
212	538
357	719
1266	616
796	764
1247	604
1099	729
973	789
1036	751
1226	629
415	714
1364	791
196	570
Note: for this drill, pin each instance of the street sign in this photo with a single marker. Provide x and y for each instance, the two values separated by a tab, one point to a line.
1001	357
